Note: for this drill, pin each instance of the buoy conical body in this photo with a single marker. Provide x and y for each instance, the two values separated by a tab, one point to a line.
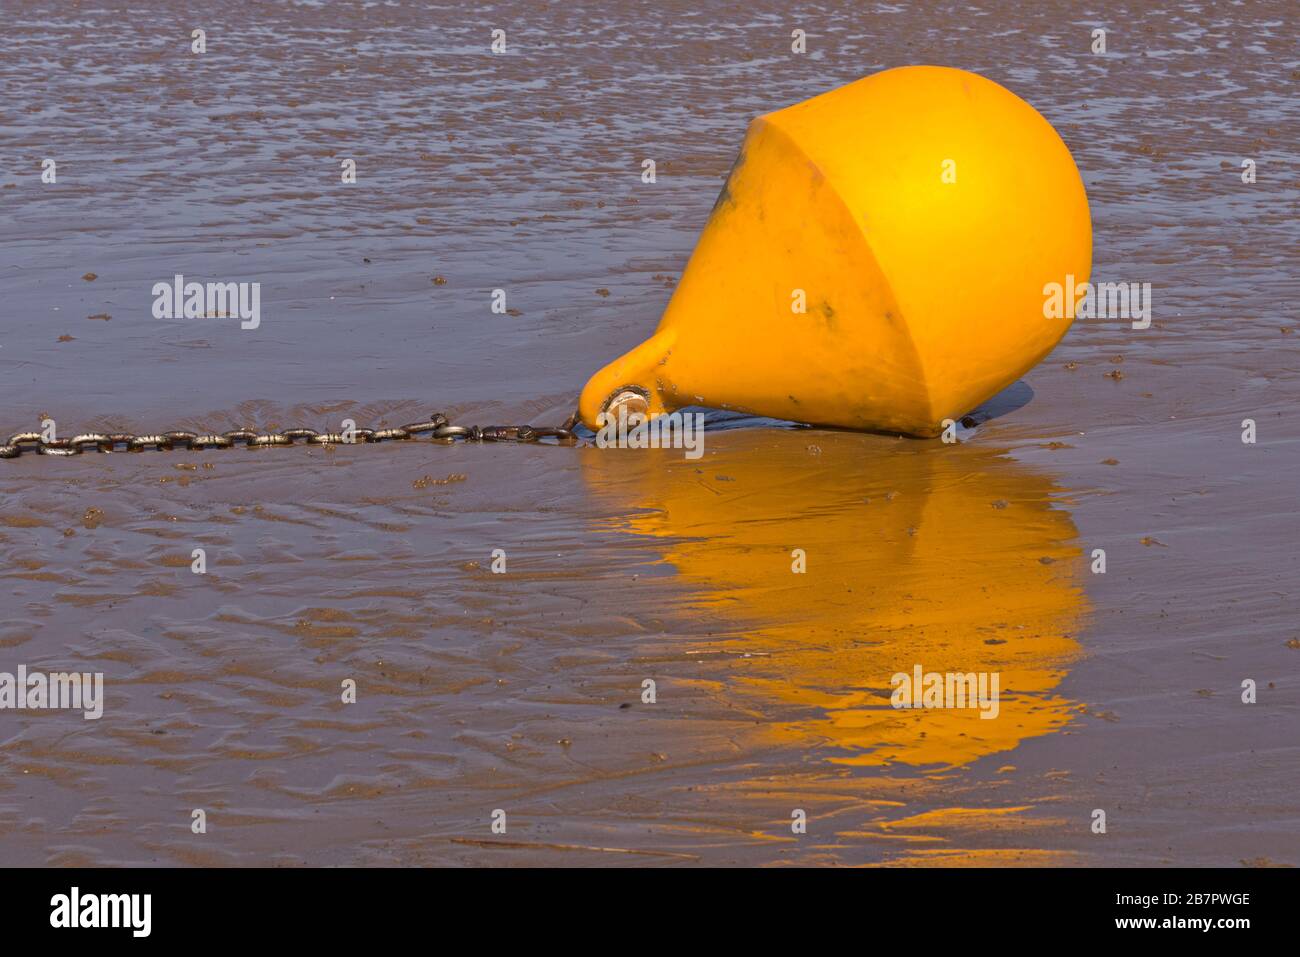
876	260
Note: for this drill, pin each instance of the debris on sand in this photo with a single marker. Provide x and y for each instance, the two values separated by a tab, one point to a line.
424	481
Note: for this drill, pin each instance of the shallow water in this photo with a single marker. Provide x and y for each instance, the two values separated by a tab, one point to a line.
523	691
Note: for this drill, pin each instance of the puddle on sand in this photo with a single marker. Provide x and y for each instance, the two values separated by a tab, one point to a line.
917	554
523	691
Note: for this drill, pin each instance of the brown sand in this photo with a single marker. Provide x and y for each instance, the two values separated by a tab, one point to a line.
522	691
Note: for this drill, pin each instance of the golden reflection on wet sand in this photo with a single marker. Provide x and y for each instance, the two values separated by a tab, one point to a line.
953	558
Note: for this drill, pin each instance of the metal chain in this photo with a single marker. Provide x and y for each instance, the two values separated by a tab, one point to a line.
437	425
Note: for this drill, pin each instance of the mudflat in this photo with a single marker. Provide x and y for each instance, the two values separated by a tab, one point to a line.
525	692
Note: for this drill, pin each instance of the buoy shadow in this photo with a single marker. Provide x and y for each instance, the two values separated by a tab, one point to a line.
1011	399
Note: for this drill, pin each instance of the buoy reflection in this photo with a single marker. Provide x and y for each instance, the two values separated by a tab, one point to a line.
840	561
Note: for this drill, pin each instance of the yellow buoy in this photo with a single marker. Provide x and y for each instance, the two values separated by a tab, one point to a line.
876	260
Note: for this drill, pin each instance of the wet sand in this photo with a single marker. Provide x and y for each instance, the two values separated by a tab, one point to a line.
523	691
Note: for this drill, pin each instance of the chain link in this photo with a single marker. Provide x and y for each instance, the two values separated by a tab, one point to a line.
439	429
